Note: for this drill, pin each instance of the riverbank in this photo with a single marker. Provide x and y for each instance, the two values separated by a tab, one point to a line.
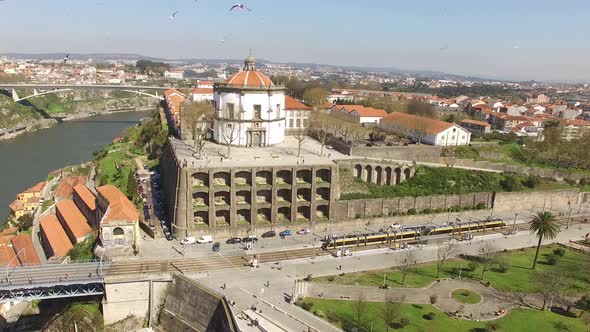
37	125
27	159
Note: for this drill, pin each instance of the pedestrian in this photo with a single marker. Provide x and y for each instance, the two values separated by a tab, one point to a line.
268	283
30	281
340	267
587	234
90	275
66	276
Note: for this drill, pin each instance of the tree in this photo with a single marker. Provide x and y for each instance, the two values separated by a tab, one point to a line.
300	135
357	133
409	261
316	96
489	256
322	125
548	283
24	222
544	226
419	108
389	311
82	250
443	253
195	117
584	303
360	309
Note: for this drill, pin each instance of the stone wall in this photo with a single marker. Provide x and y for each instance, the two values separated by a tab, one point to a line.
190	306
542	172
534	201
414	152
367	208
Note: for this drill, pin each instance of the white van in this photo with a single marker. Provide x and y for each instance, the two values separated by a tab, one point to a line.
205	239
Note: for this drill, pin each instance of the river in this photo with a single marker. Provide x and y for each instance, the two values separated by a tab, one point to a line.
27	159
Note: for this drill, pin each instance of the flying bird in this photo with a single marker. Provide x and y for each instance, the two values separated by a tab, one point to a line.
240	6
66	58
173	15
444	48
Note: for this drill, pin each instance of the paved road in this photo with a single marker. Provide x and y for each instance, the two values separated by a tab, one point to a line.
46	195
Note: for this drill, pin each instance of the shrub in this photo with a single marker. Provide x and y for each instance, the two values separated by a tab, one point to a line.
318	313
504	265
559	252
427	211
551	259
472	266
439	210
332	317
412	211
404	322
491	326
456	208
481	206
308	277
357	216
511	182
570	181
433	298
429	316
331	278
584	181
306	305
532	181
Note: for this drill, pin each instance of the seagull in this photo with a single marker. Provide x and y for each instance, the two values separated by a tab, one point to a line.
66	58
173	14
240	6
444	48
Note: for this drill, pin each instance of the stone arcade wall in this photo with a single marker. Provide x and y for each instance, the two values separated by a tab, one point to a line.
190	306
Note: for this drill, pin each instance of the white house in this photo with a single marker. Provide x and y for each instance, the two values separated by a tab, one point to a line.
362	114
202	94
176	74
425	130
250	109
297	114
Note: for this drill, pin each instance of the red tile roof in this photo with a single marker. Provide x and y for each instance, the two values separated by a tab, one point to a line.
5	239
292	104
86	195
202	91
16	205
56	236
8	231
36	188
251	78
66	186
23	247
120	208
428	125
475	122
8	257
577	123
73	218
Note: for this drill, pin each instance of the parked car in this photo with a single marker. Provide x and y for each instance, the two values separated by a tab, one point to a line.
216	246
205	239
168	236
250	238
233	240
269	234
189	240
145	166
303	231
286	232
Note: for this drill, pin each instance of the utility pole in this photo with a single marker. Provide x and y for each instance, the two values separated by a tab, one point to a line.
514	224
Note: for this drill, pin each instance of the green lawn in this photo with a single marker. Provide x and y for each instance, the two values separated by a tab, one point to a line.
340	314
466	296
517	278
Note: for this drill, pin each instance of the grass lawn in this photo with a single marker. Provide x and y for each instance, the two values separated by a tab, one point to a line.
340	314
466	296
517	278
55	108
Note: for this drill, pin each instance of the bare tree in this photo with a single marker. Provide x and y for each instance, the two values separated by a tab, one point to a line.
389	311
360	309
195	118
548	283
489	256
443	253
230	134
322	125
409	261
357	134
300	134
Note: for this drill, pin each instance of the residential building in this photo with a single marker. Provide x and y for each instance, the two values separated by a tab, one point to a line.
26	201
538	99
202	94
297	114
73	221
476	127
65	188
366	116
25	251
54	240
119	220
176	74
86	203
425	130
8	257
575	129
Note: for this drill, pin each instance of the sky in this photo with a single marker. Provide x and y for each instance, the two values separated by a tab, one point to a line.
508	39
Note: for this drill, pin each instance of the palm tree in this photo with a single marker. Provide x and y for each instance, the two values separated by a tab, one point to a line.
545	227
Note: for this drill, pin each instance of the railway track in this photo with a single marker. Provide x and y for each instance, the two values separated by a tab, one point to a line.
218	262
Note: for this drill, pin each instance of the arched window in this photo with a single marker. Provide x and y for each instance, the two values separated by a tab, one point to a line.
118	231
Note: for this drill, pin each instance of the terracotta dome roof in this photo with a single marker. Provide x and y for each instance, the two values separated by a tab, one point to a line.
250	78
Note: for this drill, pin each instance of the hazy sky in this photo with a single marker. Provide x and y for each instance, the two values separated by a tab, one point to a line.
516	39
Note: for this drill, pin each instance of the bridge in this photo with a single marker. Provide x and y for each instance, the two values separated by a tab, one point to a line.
55	88
50	281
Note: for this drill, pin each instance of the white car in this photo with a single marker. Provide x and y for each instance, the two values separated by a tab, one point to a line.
189	240
303	231
205	239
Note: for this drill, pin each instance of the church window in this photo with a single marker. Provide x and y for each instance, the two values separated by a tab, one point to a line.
230	110
257	112
278	111
291	123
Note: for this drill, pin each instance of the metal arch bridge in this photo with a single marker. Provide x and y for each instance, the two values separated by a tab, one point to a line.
49	281
55	88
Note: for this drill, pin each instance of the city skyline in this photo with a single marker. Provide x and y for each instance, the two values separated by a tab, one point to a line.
508	41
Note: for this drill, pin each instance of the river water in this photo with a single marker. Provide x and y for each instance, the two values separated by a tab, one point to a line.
27	159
